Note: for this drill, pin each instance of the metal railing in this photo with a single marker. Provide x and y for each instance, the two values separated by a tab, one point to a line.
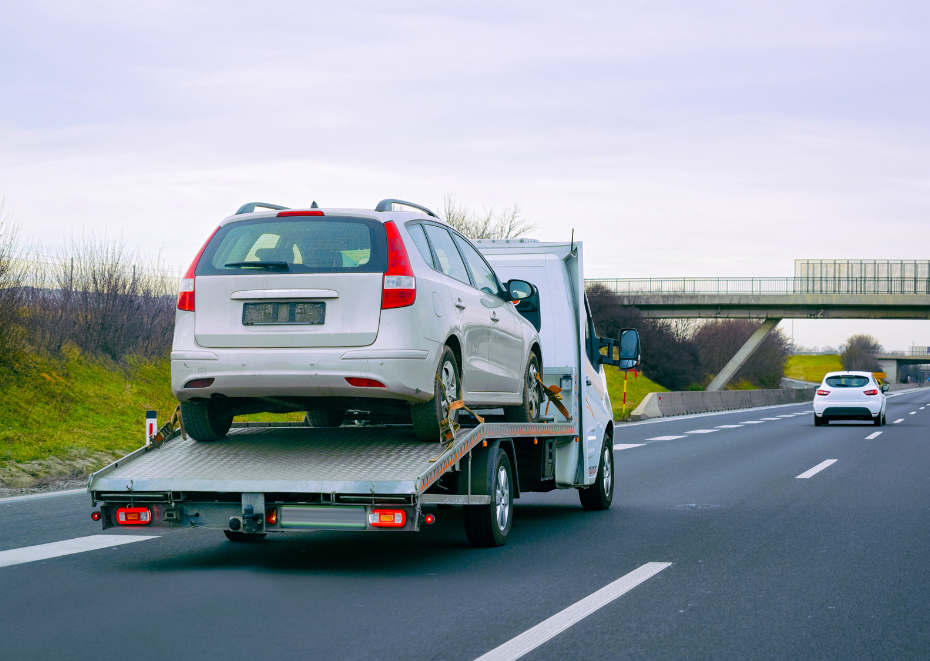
771	286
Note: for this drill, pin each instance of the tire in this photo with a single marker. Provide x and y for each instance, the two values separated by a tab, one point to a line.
247	537
528	411
489	525
878	420
600	495
447	388
324	418
818	422
203	422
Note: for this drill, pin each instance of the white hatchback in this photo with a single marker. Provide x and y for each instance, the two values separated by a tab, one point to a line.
850	396
378	315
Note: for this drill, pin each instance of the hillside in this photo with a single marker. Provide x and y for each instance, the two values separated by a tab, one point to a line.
637	387
812	368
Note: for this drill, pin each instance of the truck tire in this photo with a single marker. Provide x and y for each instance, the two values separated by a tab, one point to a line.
528	411
324	418
489	525
447	388
203	422
600	495
235	536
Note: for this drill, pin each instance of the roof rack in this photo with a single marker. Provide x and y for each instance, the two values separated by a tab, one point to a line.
250	207
388	205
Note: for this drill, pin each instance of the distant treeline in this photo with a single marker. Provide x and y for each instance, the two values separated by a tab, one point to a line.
685	354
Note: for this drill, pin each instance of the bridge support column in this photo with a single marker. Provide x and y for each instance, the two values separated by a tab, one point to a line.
731	368
890	368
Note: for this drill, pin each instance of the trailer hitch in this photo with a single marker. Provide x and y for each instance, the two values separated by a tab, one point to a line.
252	520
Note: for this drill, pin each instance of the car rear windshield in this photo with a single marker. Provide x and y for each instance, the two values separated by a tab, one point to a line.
850	381
296	245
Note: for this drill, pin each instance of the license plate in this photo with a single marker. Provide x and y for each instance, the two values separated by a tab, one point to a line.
258	314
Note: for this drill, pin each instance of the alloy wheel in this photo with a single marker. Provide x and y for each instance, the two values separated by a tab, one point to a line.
502	498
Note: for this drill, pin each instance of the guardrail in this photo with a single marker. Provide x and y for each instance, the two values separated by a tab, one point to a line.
764	286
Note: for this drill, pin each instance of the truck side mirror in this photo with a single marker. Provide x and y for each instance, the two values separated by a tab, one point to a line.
629	348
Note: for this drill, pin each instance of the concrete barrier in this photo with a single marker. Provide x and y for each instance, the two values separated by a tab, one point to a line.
665	404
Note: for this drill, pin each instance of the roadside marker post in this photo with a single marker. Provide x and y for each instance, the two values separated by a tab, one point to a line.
151	424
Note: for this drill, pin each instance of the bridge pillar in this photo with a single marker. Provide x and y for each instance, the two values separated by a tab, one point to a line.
731	368
890	368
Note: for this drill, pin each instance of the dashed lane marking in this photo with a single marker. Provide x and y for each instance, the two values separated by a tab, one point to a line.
912	412
664	438
701	431
728	426
786	416
816	469
752	422
770	418
871	436
627	446
66	547
547	629
897	421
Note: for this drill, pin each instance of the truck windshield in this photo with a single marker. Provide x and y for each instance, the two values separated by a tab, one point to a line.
296	245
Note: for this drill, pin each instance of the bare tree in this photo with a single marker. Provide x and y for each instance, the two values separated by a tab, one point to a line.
718	341
12	275
508	224
859	353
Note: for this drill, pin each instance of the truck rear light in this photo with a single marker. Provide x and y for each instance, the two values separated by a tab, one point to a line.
823	393
133	516
186	290
271	516
387	518
400	285
298	212
199	383
363	383
429	519
871	392
95	515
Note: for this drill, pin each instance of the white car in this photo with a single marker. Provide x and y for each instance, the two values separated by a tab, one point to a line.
850	396
390	315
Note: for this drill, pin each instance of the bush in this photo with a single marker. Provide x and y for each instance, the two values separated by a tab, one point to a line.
11	292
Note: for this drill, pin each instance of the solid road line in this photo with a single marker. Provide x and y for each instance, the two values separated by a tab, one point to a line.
547	629
66	547
871	436
816	469
627	446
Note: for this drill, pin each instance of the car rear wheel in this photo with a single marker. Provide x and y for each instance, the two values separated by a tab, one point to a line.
324	418
528	410
203	420
427	417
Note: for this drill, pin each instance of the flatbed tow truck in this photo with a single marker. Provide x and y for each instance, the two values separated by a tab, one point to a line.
260	480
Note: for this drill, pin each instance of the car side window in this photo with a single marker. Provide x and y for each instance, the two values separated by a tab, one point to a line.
450	262
485	280
415	230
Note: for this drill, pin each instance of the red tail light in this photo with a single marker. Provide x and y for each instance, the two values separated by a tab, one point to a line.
285	214
823	392
96	516
363	383
400	286
271	516
186	290
387	518
134	516
199	383
871	392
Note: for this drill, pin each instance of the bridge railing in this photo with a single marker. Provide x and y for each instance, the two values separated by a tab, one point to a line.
764	286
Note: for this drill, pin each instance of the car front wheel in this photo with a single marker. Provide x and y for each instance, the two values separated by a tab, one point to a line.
528	410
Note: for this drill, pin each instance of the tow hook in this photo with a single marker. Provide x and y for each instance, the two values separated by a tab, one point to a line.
251	521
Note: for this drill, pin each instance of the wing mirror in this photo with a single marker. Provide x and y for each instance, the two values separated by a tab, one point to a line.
517	290
625	348
885	387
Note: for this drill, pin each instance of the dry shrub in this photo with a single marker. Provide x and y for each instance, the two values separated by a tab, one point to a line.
858	356
12	275
718	341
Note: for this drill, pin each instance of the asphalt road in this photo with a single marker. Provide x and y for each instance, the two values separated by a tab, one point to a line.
764	564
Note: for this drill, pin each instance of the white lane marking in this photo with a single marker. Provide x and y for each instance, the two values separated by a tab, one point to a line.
871	436
816	469
701	431
627	446
664	438
728	426
547	629
912	412
922	408
66	547
770	418
897	421
47	494
786	416
752	422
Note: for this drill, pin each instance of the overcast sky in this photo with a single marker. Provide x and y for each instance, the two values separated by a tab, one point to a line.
676	138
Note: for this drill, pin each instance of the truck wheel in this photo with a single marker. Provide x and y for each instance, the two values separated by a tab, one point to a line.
324	418
235	536
447	388
599	495
528	411
489	525
203	422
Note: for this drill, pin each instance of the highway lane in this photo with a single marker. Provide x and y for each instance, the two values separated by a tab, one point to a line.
764	565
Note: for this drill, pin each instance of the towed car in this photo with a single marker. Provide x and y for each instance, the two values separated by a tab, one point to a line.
374	314
850	396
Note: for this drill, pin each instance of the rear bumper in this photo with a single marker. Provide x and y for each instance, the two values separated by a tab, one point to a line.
848	412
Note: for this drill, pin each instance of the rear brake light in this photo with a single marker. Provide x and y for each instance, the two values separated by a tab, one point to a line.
199	383
285	214
96	516
363	383
186	290
387	518
400	285
823	392
134	516
871	392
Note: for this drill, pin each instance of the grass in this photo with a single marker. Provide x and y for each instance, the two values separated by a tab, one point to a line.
637	387
812	368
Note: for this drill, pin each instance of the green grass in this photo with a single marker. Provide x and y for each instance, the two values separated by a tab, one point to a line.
812	368
637	387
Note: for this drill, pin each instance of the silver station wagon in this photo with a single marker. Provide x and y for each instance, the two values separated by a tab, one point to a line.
384	315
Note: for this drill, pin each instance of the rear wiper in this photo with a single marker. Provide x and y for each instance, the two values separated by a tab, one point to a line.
271	266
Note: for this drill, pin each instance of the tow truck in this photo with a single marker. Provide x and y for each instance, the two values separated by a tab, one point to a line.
370	477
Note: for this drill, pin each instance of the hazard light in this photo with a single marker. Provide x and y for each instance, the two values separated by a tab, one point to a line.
387	518
133	516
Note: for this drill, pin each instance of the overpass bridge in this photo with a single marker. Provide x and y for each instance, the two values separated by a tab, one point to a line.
772	299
